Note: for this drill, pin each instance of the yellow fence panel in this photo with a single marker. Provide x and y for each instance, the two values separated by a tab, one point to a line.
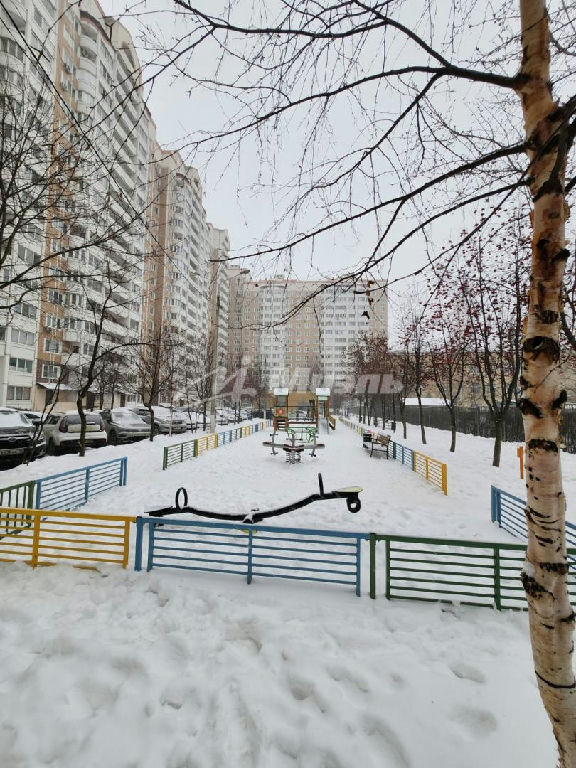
212	441
246	431
80	539
202	445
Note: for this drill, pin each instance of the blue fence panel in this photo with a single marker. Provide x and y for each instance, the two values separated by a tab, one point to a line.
252	550
402	454
508	511
69	490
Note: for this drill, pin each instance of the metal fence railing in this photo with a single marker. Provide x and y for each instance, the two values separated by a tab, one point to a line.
416	568
68	490
509	512
21	495
450	570
55	535
175	454
250	550
476	420
432	470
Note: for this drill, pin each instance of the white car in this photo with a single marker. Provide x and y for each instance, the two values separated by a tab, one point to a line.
62	431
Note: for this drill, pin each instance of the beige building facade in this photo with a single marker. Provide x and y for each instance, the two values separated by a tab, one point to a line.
298	333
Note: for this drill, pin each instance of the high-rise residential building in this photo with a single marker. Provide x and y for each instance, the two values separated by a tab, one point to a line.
219	291
118	250
93	286
244	317
297	332
28	42
177	271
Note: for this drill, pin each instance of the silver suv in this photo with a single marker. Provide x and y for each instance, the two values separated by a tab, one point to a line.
163	421
122	425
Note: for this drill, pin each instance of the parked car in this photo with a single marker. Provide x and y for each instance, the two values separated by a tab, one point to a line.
34	416
221	417
17	437
193	420
62	431
124	426
164	421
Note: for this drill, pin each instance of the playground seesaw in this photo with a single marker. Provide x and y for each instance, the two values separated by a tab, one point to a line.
297	441
350	495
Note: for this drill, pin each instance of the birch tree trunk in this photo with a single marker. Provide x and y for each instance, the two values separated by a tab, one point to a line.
544	575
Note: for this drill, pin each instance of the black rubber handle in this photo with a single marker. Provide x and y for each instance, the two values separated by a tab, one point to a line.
178	492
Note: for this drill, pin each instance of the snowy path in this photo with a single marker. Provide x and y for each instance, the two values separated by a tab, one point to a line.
182	670
244	475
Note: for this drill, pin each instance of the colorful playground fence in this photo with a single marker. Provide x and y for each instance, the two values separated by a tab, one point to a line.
50	536
66	490
422	569
252	551
21	495
69	490
432	470
190	449
450	570
509	512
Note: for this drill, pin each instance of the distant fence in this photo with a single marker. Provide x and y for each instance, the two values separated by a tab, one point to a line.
450	570
51	536
475	420
509	512
251	550
69	490
190	449
432	470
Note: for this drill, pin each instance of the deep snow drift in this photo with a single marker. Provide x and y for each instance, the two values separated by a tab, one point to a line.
183	670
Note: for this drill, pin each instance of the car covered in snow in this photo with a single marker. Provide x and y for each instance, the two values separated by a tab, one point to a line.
18	438
62	431
124	426
165	421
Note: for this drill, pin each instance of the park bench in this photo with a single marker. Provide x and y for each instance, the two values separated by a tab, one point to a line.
373	442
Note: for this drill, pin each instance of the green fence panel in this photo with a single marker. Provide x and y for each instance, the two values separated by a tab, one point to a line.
451	570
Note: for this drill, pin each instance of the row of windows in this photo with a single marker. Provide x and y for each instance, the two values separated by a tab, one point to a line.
19	336
20	364
18	393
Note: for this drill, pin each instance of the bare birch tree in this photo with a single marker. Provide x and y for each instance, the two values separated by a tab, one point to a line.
471	95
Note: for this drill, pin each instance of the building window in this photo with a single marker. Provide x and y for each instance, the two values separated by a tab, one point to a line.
51	345
51	321
55	297
18	393
50	371
23	337
21	365
26	310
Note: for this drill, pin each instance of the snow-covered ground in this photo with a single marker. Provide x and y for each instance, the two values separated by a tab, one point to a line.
182	670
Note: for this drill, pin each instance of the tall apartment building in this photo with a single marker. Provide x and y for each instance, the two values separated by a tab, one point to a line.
122	253
176	272
99	280
219	289
295	332
26	29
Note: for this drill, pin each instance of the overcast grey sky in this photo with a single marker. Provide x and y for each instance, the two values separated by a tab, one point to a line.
245	192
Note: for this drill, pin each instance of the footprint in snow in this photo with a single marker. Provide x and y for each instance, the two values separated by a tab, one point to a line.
477	722
355	682
467	672
391	748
